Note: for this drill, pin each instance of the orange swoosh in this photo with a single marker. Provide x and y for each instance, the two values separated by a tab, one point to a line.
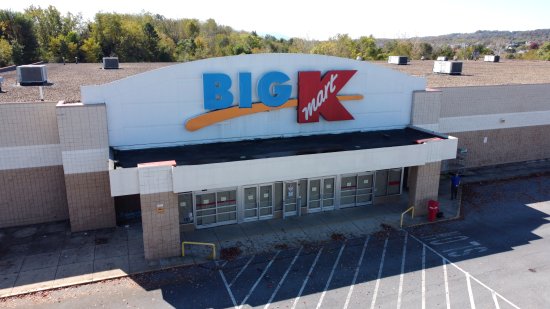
213	117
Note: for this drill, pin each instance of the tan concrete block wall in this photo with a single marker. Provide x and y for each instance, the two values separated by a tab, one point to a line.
82	127
90	203
32	195
84	145
423	186
483	100
26	124
161	230
426	107
505	145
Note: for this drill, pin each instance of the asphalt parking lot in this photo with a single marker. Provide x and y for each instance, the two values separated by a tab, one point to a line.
496	257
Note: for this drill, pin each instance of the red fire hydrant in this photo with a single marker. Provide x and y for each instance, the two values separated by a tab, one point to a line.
433	209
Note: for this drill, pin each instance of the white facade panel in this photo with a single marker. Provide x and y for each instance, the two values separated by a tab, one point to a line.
30	156
150	109
493	121
85	161
124	181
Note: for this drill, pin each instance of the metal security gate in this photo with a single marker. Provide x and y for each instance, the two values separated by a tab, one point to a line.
356	189
321	194
258	202
215	208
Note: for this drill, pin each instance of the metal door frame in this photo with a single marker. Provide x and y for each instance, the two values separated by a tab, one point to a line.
356	175
215	192
373	173
321	194
292	213
259	216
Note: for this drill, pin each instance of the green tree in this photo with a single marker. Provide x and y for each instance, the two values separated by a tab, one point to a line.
17	29
367	49
5	53
544	51
91	50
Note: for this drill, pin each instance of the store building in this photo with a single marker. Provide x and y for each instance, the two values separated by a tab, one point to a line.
253	137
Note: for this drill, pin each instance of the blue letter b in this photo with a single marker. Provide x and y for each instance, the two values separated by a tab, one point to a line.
216	91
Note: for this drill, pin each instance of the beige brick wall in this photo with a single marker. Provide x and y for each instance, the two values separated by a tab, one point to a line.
32	186
426	107
89	199
161	230
505	145
483	100
32	195
85	154
423	186
27	124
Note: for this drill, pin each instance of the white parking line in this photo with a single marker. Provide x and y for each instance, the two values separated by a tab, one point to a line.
330	276
228	288
447	295
466	273
259	279
403	258
242	270
307	278
470	294
423	276
374	294
495	299
356	272
283	278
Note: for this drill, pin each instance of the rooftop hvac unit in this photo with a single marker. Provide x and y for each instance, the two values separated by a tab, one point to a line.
32	74
491	58
442	58
110	62
448	67
398	60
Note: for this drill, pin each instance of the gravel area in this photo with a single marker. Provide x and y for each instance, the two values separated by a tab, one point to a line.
480	73
64	81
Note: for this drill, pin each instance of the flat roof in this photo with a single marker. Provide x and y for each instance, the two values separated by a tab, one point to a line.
64	81
271	147
479	73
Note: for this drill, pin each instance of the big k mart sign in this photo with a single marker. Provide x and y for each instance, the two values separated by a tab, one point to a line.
251	97
318	96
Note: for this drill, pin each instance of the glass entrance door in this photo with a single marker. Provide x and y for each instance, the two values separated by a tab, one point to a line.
258	202
216	208
356	190
320	194
290	200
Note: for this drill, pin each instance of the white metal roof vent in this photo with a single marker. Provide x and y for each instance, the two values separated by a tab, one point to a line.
399	60
110	62
491	58
448	67
32	74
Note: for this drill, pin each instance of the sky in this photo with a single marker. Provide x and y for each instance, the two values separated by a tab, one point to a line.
323	19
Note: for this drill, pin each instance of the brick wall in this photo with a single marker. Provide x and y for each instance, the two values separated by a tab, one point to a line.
423	186
32	186
505	145
85	155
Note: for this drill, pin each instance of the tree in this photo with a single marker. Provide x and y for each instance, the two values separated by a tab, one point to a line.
91	50
17	29
5	53
544	51
367	49
422	49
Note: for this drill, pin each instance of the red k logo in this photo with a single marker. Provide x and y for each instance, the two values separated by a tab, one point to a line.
317	96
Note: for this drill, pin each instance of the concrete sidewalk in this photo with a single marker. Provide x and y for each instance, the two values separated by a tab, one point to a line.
46	256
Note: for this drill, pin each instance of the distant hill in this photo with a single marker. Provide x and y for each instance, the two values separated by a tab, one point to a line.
489	38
